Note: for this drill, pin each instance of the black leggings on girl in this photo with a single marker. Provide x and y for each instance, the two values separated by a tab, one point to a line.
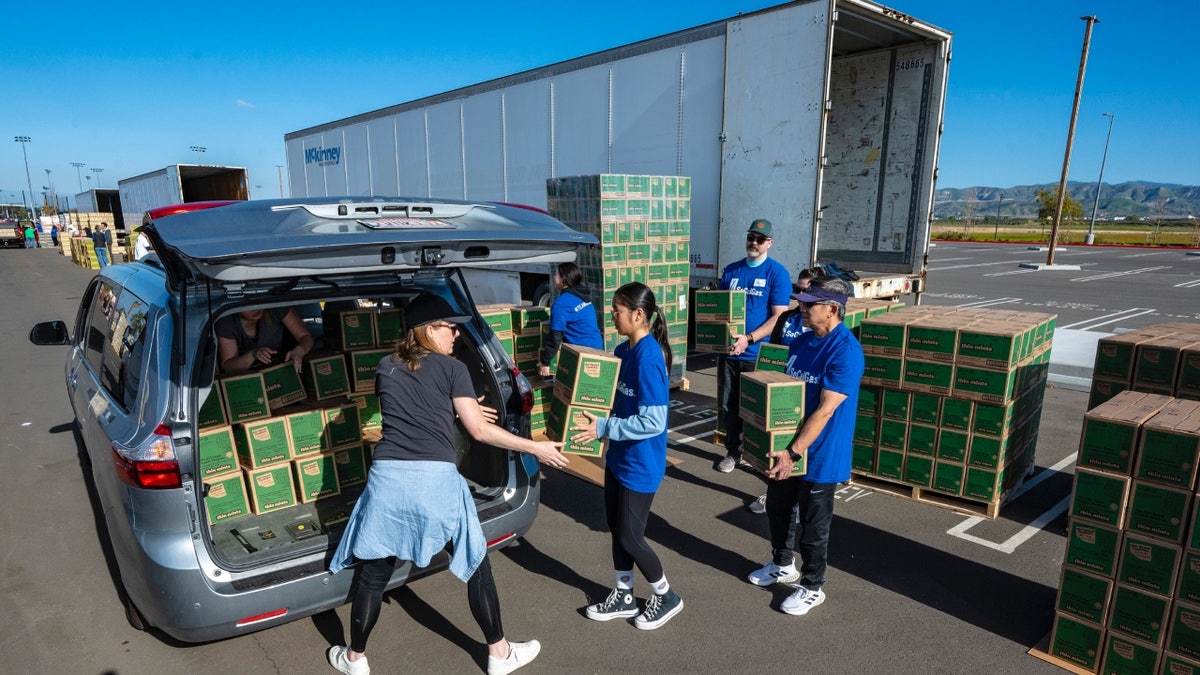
373	578
627	512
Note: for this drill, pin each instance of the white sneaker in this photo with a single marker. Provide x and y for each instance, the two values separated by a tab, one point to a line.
798	603
519	654
337	659
758	505
774	574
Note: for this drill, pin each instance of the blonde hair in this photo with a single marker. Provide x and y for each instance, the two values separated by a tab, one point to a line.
416	345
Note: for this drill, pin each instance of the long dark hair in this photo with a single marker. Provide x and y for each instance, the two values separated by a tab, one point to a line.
637	295
570	274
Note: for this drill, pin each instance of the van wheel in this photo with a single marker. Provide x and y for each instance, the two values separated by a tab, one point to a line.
541	296
133	615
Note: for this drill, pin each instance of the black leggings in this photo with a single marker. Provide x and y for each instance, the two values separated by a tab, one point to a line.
368	598
627	512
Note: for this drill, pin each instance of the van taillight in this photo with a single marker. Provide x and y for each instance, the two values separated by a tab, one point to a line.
524	390
151	464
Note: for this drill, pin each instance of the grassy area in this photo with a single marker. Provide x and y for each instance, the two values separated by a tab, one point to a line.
1107	234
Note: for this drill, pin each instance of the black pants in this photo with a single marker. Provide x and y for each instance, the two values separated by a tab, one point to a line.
368	598
729	389
627	512
814	501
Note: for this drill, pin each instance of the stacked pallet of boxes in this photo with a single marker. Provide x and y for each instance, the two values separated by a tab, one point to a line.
1129	591
951	402
1159	359
643	224
83	252
294	438
585	381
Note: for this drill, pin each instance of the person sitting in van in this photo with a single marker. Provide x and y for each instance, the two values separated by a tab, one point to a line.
255	336
572	316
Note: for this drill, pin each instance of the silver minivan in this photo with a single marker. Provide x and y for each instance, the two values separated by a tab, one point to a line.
142	362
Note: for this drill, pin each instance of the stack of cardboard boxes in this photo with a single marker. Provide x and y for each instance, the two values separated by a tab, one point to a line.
1129	592
585	381
720	319
273	438
644	227
951	399
1159	359
772	406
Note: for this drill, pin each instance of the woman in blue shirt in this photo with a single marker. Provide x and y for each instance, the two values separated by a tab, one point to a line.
636	459
572	316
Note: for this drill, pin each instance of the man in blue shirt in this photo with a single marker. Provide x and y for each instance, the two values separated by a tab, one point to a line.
767	285
830	361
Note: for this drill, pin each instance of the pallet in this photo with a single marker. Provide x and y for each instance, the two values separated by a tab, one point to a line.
1042	651
969	507
682	384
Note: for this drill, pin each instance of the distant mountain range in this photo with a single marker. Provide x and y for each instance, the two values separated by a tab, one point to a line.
1136	198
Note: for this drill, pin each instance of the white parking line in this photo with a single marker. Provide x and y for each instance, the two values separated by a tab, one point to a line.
1011	544
1188	284
1002	274
959	267
1090	324
1141	255
1111	275
689	425
989	303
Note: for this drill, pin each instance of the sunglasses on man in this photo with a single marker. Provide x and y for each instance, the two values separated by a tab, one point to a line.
756	238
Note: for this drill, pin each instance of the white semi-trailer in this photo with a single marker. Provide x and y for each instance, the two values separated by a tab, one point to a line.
823	116
178	184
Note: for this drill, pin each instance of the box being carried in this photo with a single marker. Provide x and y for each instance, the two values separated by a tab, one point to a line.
758	445
283	385
772	401
586	377
564	415
720	306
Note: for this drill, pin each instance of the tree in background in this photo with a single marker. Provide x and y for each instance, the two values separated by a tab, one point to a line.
1048	200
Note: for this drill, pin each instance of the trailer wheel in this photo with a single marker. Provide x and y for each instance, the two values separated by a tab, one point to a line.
541	296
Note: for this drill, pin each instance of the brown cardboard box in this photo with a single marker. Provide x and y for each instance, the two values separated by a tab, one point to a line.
1110	431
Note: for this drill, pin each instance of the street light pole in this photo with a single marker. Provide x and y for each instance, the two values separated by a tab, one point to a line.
1062	184
996	234
77	175
279	170
198	149
23	140
1091	235
96	171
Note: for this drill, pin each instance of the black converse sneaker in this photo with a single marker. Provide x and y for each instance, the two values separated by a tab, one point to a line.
618	605
659	610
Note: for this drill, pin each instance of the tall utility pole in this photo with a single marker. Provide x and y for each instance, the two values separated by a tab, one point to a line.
23	140
1091	235
996	234
1062	184
279	170
96	171
77	174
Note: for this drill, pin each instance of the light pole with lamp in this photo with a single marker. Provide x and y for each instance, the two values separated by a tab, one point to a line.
198	149
77	165
1091	235
97	171
996	232
279	170
23	140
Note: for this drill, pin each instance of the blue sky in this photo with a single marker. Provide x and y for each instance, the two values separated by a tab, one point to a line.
129	87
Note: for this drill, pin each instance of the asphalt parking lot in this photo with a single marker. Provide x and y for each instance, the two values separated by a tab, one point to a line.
912	587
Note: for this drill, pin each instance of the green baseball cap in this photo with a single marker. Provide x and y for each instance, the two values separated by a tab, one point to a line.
761	226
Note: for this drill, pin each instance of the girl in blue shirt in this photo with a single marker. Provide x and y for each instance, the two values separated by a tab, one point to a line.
572	316
636	459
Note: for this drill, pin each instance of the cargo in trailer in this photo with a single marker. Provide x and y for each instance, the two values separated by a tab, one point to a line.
821	116
179	184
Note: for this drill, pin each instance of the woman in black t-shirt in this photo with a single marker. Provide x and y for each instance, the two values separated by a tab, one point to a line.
415	499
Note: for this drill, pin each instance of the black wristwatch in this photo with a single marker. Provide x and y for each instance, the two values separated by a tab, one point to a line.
795	456
750	338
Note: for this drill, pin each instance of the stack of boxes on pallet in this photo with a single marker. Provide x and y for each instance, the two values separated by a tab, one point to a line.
951	399
585	381
643	224
82	252
1159	359
1129	593
771	405
274	438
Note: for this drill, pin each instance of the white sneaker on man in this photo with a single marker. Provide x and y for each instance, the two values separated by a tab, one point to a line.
758	505
798	603
774	574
